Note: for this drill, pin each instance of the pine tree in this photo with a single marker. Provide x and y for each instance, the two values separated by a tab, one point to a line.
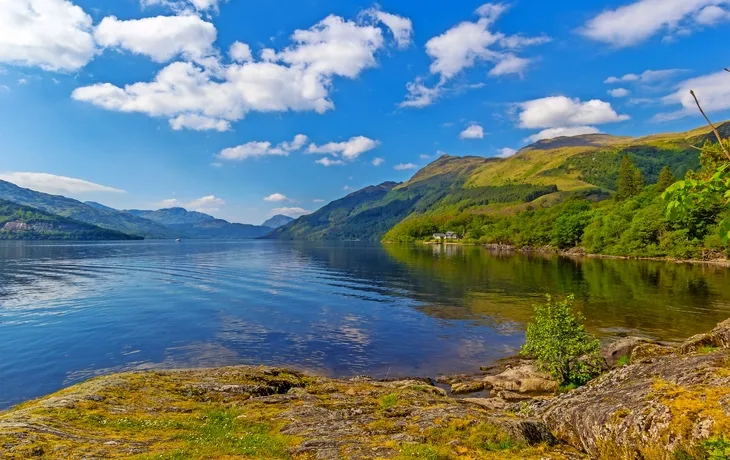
630	180
666	178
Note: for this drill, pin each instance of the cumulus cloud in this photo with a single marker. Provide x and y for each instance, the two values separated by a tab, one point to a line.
619	92
552	133
562	116
206	202
634	23
276	197
377	161
349	150
405	166
506	152
199	123
162	38
647	77
291	212
184	5
509	65
561	111
713	91
327	162
54	35
472	132
297	78
400	27
50	183
419	95
255	149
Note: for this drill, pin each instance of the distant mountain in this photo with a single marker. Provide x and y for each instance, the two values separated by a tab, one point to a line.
540	175
76	210
277	221
18	222
100	206
191	224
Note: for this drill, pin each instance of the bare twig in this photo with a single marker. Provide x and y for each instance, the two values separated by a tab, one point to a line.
717	133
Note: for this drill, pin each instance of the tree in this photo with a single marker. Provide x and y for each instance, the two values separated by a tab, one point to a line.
666	179
707	191
630	180
558	340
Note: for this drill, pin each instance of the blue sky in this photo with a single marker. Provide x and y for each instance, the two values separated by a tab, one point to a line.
244	109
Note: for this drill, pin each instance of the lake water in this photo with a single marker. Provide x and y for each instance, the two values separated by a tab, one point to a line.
69	311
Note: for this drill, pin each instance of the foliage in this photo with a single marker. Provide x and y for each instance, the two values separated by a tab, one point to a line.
666	179
717	448
630	180
558	340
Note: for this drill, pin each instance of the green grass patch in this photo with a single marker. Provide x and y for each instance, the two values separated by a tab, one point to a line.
623	361
388	401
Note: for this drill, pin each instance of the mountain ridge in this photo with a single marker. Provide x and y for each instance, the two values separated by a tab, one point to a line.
197	225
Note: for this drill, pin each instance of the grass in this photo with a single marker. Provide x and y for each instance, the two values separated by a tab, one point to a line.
707	349
623	361
388	401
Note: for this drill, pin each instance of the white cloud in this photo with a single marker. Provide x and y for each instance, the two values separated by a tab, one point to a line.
298	78
169	203
561	111
405	166
648	76
712	90
240	52
275	197
400	27
419	95
378	161
472	132
291	212
551	133
326	162
506	152
162	38
349	150
210	202
347	188
50	183
510	64
22	81
465	45
183	5
619	92
199	123
54	35
711	15
423	156
260	149
317	200
634	23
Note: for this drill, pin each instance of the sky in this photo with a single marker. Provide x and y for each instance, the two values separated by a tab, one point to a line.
247	109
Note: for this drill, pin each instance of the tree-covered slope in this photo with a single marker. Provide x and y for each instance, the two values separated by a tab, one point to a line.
18	222
192	224
76	210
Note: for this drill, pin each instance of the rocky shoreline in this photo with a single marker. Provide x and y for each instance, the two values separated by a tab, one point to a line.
655	401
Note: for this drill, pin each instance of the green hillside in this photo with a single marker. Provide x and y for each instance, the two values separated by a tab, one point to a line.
192	224
553	186
81	212
19	222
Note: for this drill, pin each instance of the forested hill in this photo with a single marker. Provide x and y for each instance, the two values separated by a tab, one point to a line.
26	223
472	195
95	215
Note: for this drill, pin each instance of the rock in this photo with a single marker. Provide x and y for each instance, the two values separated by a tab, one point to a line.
489	403
614	351
468	387
523	378
650	350
717	338
512	397
656	406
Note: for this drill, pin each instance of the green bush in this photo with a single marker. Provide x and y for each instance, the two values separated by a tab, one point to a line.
558	340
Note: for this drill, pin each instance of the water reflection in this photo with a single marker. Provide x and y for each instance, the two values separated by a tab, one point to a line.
69	311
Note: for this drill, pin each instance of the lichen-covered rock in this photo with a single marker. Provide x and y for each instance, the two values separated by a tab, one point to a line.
650	350
472	386
620	348
719	337
523	378
645	410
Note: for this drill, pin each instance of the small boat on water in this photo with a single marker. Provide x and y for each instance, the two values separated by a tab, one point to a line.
178	240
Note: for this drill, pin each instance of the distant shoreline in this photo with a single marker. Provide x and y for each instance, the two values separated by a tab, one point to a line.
576	253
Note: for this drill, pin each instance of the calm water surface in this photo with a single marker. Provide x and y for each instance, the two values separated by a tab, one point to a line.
69	311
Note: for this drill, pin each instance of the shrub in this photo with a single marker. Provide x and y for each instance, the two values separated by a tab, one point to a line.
558	340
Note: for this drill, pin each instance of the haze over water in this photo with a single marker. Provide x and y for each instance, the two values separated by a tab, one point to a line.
69	311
